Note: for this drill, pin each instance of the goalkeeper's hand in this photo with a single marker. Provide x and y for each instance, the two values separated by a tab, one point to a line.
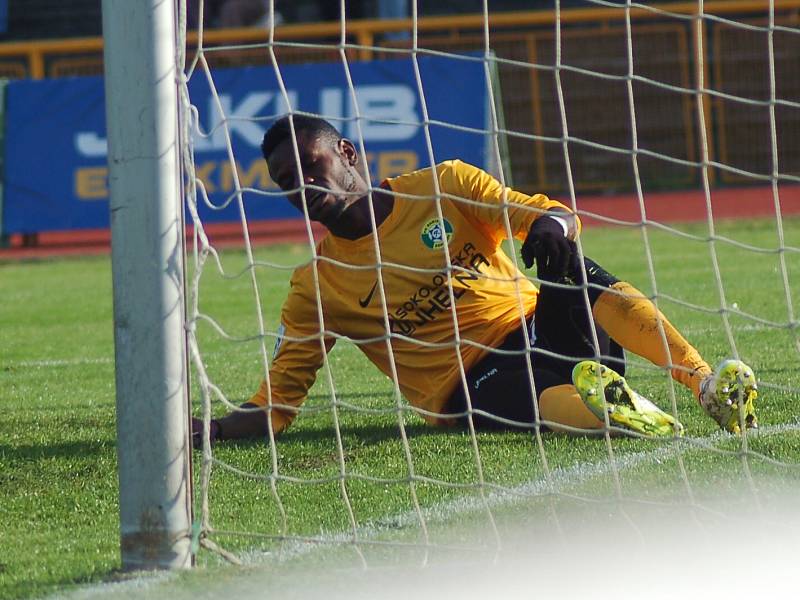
214	433
547	245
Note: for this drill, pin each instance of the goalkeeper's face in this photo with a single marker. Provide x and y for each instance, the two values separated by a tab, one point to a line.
327	181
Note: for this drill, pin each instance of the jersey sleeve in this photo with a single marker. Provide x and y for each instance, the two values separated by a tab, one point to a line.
298	355
486	197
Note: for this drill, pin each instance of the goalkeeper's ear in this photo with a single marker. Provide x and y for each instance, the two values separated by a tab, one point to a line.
347	150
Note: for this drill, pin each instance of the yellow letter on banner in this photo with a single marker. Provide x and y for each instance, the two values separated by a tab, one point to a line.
91	183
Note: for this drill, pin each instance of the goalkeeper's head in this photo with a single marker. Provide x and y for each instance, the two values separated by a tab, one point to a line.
319	172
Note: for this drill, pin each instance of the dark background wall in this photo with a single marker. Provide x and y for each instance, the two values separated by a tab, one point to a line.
36	19
32	19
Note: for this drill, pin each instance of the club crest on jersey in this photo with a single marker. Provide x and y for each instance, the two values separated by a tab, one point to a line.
432	235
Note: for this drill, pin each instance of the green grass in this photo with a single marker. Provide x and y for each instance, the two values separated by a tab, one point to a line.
58	488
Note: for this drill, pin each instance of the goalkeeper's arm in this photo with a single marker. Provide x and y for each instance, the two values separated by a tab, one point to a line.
292	374
297	357
550	243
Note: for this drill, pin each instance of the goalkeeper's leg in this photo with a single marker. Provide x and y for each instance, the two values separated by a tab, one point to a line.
504	401
498	389
605	391
631	319
728	396
564	338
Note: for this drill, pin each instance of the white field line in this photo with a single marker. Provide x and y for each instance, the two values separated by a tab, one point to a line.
59	362
560	480
698	331
75	361
144	583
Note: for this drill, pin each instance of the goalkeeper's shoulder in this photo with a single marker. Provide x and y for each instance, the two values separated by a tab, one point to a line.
454	176
464	179
459	169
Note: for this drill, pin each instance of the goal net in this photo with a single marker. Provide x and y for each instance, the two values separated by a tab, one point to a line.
672	129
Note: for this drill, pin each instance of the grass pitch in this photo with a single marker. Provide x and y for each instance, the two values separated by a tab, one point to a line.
58	487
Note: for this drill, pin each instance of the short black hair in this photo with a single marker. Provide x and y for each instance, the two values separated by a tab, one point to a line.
281	130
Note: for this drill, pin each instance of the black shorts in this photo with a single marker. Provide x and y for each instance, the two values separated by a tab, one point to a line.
560	334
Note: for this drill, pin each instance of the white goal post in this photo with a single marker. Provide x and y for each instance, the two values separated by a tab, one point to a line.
141	80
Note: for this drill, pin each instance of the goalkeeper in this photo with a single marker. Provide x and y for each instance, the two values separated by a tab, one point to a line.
478	311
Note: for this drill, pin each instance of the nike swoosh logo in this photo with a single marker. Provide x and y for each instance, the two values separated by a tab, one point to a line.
363	303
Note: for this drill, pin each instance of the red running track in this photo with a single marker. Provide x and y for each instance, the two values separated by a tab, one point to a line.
665	207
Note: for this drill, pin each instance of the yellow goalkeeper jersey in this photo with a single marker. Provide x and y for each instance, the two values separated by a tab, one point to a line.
489	295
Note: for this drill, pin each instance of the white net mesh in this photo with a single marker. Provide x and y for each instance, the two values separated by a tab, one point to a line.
671	129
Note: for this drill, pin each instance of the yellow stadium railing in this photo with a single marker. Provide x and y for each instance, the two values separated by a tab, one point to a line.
35	55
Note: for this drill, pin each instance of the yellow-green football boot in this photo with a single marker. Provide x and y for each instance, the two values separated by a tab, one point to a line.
730	388
626	408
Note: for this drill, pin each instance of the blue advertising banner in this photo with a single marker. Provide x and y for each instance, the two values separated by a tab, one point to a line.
56	174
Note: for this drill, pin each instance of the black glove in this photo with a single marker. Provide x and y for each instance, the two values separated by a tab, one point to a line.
554	253
214	433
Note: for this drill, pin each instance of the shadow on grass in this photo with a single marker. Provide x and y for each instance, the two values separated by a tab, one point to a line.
367	434
78	449
351	395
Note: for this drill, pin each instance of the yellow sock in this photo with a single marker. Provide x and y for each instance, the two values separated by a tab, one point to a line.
562	404
631	319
